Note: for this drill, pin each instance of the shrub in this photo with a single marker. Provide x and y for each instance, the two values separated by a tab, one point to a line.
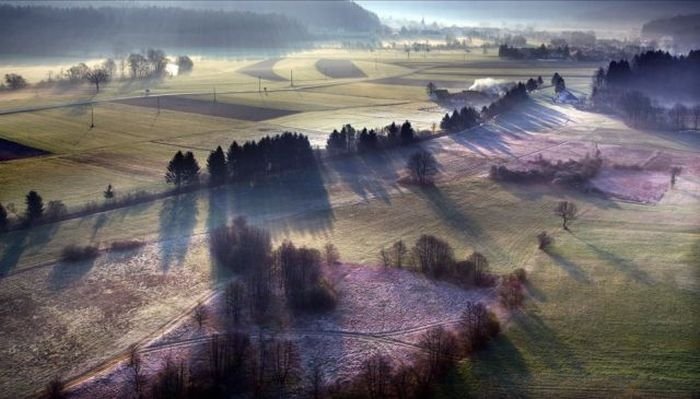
126	245
76	253
544	240
55	210
511	291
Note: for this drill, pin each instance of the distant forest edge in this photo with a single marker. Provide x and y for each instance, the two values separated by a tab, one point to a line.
684	29
50	30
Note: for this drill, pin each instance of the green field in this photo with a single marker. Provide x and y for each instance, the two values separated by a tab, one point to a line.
613	308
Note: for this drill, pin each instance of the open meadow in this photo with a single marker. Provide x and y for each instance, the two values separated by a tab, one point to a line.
602	304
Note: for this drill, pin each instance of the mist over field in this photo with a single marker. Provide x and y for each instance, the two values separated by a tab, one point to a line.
333	199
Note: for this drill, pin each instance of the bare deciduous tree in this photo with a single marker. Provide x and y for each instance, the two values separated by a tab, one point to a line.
567	211
96	76
199	314
422	167
135	366
376	373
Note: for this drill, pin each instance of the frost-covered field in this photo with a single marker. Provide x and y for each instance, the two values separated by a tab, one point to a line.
379	311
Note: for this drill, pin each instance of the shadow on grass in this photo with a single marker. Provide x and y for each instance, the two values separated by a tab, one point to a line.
178	217
64	274
574	270
500	368
626	266
15	243
546	346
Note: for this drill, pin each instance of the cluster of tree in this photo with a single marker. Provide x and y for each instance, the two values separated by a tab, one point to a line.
349	141
630	88
13	81
435	257
304	287
35	212
183	169
55	30
572	172
541	52
247	251
236	364
558	83
463	119
515	95
439	351
267	156
422	167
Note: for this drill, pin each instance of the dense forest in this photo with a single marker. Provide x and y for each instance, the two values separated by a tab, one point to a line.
645	89
50	30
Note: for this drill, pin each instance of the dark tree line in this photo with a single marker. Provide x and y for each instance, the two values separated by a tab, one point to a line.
515	95
541	52
463	119
268	156
252	160
435	257
348	140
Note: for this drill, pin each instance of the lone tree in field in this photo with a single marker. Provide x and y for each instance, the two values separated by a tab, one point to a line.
109	192
567	211
3	218
182	169
96	76
675	171
216	166
184	64
422	166
35	206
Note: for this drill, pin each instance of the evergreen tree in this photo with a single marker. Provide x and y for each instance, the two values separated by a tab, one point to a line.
35	206
174	172
407	133
216	166
233	157
190	169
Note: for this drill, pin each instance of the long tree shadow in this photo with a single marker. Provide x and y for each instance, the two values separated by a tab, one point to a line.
14	244
623	265
546	346
178	217
448	210
501	366
571	268
296	201
64	274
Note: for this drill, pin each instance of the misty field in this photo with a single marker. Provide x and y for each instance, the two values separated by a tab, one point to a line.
601	304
